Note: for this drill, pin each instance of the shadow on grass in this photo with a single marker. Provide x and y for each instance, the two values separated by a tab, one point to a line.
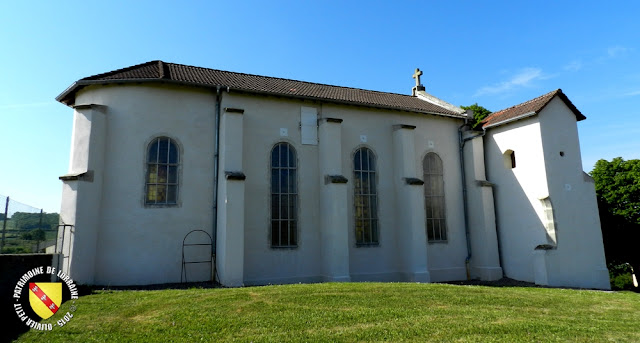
187	285
504	282
507	282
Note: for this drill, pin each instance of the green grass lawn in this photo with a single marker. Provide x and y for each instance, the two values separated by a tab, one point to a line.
351	312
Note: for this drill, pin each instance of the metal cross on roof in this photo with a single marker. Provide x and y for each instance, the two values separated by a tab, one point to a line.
416	76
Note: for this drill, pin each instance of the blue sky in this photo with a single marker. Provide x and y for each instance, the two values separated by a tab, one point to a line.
495	53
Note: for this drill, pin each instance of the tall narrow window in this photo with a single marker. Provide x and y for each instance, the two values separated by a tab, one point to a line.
549	220
365	197
434	198
284	196
509	158
162	172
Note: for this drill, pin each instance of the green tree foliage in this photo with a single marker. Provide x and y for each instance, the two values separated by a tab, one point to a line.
479	113
35	235
618	185
28	221
618	192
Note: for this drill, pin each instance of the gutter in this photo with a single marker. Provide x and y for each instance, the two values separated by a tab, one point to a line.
216	163
461	142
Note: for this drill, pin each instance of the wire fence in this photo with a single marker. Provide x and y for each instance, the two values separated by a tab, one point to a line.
26	229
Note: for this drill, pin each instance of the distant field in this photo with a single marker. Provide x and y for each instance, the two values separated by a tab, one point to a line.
351	312
15	242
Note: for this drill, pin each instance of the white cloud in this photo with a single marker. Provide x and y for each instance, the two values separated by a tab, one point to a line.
616	51
574	65
522	79
632	93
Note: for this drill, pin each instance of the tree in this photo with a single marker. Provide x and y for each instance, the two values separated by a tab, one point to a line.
38	235
618	192
28	221
479	113
618	186
34	235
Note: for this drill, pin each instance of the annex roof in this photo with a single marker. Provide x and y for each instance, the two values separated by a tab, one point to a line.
529	108
159	71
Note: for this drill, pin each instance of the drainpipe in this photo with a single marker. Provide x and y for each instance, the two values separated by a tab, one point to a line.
462	142
216	149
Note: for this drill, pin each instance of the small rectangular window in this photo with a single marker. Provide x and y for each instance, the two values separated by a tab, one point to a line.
309	125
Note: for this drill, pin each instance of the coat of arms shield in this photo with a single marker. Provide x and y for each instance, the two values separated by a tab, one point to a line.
45	298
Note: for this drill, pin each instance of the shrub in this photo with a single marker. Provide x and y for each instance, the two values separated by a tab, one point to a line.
621	276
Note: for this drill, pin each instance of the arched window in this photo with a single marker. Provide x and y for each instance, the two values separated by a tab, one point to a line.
284	196
434	198
365	197
163	159
509	157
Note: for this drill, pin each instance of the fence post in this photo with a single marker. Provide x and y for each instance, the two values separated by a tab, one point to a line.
4	224
40	228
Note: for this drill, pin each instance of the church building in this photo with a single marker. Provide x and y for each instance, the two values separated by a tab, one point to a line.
181	173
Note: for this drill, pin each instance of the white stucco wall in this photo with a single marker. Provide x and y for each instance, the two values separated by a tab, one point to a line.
82	200
548	165
263	119
139	244
485	260
579	258
517	193
119	240
432	133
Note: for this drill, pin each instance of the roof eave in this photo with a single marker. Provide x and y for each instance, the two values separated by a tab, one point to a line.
70	90
579	116
346	102
66	96
522	116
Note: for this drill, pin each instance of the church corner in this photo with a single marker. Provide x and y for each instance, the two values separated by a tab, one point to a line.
290	181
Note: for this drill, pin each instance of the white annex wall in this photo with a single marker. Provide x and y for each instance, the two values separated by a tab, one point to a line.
579	259
548	164
138	244
518	210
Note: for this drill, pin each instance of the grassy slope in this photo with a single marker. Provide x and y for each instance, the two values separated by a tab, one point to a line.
352	312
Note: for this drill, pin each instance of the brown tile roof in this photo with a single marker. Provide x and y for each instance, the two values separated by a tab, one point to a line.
529	108
158	71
